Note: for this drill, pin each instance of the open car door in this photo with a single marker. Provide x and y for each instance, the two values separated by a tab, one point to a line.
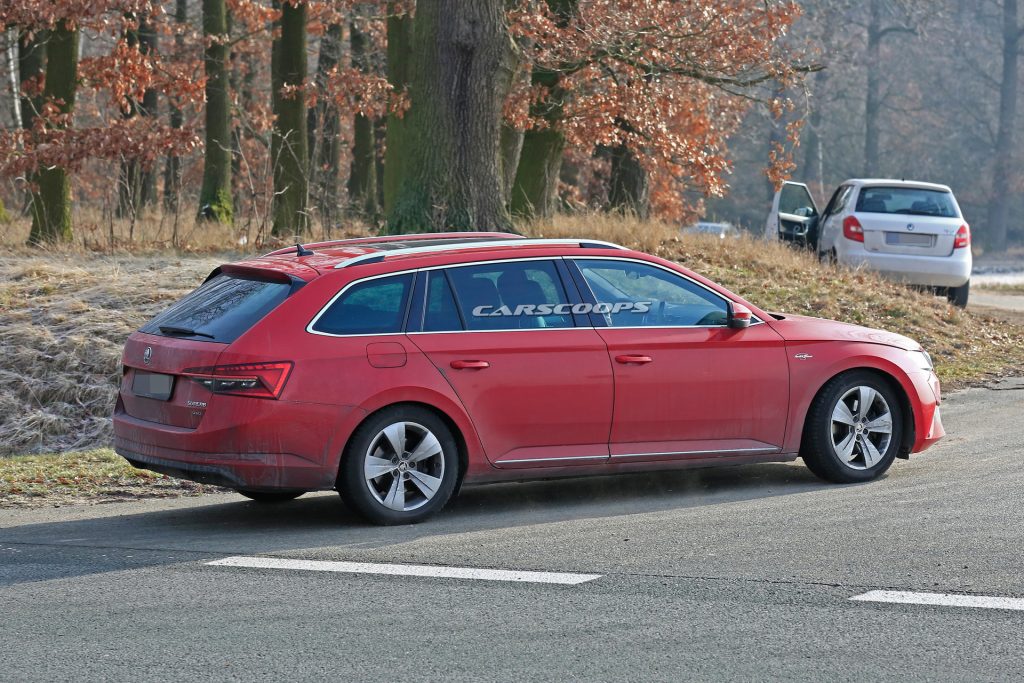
794	216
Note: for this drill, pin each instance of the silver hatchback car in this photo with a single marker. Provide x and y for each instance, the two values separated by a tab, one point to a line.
909	231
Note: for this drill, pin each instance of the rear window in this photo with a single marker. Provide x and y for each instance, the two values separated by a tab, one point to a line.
910	201
221	310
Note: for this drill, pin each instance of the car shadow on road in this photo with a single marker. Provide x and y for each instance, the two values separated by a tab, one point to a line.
234	526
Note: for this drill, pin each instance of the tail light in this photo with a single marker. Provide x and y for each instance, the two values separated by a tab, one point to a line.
963	237
852	229
256	380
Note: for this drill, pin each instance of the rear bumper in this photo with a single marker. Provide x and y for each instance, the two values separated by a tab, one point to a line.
932	271
280	445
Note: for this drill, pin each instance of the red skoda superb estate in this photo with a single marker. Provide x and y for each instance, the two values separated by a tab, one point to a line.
395	369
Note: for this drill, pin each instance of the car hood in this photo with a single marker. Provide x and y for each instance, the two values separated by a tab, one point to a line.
805	328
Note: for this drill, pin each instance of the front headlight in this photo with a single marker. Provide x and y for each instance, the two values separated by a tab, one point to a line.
924	360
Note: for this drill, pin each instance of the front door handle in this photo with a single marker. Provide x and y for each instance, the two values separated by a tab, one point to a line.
470	364
633	359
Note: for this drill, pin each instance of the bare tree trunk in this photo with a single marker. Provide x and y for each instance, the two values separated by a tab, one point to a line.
1003	168
511	153
400	35
215	197
51	203
324	129
289	154
628	189
462	72
362	178
31	64
873	101
172	169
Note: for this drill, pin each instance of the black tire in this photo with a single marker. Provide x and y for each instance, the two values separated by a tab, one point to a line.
822	433
269	497
827	257
958	295
414	478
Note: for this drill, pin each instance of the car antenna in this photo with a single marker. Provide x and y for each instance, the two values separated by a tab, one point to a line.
302	251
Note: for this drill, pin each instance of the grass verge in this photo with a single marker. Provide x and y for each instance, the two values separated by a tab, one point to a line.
94	476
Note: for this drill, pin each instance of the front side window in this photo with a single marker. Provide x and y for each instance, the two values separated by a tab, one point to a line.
511	295
631	294
375	306
909	201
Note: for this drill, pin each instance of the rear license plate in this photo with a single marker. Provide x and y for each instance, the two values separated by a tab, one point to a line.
152	385
908	239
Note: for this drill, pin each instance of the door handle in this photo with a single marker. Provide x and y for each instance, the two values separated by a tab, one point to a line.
633	359
470	364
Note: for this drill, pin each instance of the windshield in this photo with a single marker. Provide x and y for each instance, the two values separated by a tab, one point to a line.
911	201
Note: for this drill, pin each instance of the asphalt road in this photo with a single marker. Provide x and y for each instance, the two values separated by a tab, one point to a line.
743	573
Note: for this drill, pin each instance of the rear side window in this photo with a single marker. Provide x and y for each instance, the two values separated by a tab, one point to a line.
910	201
374	306
441	313
221	310
511	295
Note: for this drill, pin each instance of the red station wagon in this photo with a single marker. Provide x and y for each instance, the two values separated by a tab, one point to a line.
396	369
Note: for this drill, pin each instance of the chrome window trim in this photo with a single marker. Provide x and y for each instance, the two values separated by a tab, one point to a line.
754	321
482	244
309	328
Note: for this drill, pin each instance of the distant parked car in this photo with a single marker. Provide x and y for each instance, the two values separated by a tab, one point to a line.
909	231
722	230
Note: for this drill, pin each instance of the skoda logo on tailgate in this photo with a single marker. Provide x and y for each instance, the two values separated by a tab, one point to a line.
147	355
910	227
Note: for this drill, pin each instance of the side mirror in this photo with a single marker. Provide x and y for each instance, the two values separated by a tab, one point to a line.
739	316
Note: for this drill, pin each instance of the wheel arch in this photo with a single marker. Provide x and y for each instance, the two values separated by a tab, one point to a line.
888	372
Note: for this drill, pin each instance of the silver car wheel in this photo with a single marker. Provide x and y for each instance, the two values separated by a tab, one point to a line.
861	428
404	466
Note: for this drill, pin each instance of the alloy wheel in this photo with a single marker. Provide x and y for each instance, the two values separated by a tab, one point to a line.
861	428
404	466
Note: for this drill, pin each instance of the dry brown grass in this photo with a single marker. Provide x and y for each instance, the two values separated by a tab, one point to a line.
64	317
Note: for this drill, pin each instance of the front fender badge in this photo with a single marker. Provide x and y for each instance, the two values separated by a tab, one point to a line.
803	356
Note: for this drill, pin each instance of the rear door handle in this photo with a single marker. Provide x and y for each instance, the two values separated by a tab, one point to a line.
470	364
633	359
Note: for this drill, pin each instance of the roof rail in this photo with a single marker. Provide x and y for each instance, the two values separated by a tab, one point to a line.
377	257
384	239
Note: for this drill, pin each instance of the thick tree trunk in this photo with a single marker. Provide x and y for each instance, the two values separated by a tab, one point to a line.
324	128
400	36
215	196
172	169
462	72
1003	168
628	189
148	43
535	189
289	154
873	100
51	202
362	178
511	152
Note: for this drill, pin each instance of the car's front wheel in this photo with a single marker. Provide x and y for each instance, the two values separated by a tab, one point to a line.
400	466
854	428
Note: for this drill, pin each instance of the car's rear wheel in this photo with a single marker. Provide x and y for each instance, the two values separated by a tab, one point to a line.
854	428
958	295
270	496
400	466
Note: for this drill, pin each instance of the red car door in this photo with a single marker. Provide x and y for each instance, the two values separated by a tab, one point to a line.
686	385
538	388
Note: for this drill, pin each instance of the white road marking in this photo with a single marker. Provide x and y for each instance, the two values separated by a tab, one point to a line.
942	599
407	570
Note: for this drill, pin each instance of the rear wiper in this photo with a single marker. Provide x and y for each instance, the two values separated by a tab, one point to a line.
184	332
